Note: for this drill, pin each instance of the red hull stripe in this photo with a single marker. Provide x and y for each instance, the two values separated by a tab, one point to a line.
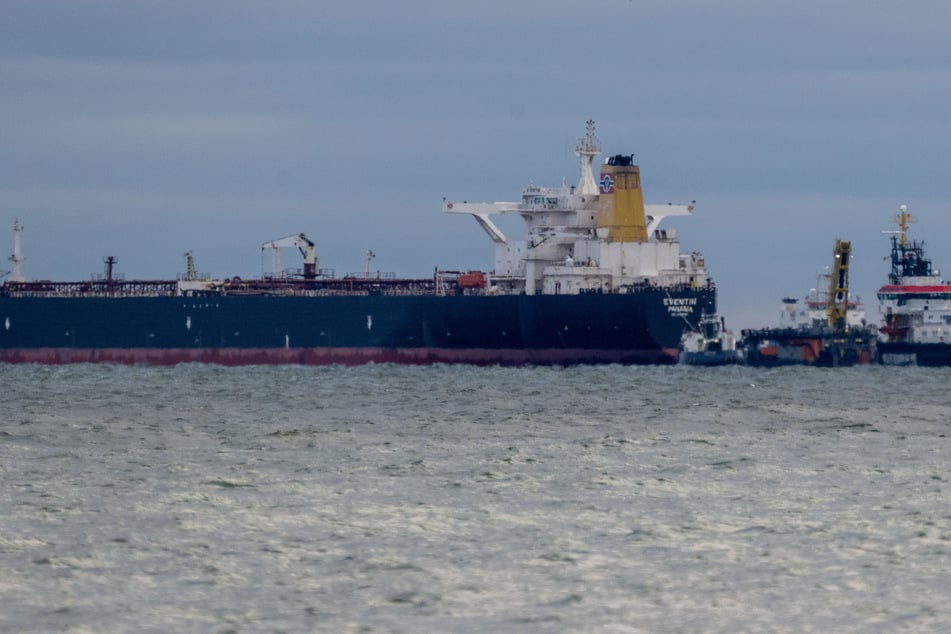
329	356
895	288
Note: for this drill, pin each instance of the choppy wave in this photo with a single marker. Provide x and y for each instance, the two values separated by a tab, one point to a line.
390	498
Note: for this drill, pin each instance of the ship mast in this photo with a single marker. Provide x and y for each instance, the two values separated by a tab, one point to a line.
902	220
588	147
191	271
17	257
368	260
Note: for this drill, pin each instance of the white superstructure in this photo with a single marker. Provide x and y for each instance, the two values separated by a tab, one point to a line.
813	309
916	302
597	236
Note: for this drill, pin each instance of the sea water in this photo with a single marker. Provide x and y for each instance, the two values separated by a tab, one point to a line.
460	499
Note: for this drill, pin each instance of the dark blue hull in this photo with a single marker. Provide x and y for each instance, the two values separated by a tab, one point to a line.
921	354
820	347
639	327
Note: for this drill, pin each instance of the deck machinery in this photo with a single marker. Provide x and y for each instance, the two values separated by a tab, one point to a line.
831	344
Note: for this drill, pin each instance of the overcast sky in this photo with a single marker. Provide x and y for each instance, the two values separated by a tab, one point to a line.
142	129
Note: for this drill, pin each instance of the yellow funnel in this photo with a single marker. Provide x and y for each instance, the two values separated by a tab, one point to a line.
622	200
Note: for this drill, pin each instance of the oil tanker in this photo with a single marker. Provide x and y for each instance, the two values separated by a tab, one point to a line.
595	280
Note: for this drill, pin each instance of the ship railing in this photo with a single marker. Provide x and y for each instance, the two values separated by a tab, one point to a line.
359	293
99	277
515	285
337	287
198	277
93	288
327	292
294	274
353	286
649	286
373	275
804	331
284	274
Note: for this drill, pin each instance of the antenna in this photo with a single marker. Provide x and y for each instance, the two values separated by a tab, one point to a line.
191	271
110	262
17	257
588	147
369	258
902	219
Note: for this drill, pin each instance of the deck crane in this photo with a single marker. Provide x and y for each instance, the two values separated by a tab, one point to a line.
838	303
303	244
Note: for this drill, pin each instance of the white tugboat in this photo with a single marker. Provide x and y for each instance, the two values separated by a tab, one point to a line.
711	344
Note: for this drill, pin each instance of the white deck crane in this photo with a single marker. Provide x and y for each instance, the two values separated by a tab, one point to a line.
303	244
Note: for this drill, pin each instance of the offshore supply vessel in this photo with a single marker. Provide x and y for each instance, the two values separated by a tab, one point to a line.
916	305
595	280
824	334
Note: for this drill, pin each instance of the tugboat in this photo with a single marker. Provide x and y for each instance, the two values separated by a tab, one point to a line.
806	339
711	344
915	304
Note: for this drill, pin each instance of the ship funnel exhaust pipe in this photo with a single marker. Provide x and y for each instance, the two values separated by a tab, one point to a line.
622	201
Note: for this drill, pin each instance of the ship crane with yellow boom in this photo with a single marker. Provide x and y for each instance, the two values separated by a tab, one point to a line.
829	343
838	306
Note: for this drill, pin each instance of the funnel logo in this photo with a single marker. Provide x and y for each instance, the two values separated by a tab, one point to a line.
607	184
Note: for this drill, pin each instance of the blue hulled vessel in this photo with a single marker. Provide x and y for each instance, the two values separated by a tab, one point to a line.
595	280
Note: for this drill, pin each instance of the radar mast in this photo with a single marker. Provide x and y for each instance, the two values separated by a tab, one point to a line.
588	147
902	219
17	257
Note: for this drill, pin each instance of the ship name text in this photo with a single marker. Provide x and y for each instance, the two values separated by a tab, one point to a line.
680	305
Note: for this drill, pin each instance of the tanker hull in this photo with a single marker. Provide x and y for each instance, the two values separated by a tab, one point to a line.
640	327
